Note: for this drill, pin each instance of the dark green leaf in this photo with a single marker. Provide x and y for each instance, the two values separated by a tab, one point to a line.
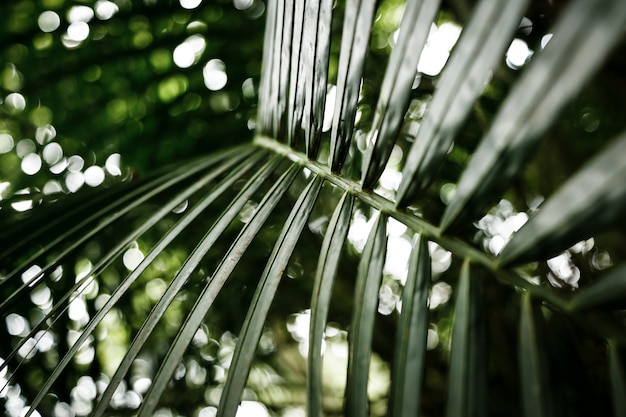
369	277
190	215
141	195
396	89
317	43
583	37
263	297
320	300
478	50
269	68
181	277
532	361
295	105
354	42
609	288
213	287
410	354
285	10
618	380
466	389
590	201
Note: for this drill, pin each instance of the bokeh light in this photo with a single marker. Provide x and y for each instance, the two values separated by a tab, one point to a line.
518	54
214	73
49	21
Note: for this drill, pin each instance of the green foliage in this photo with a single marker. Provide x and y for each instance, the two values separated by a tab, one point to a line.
383	208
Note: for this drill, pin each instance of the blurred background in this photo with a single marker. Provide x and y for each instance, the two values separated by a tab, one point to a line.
96	93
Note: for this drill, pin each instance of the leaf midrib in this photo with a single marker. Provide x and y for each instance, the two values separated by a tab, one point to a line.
457	246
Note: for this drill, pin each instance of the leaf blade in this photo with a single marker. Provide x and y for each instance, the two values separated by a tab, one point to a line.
354	44
191	214
409	356
590	201
535	387
396	89
583	37
618	380
263	298
369	275
212	288
178	281
466	390
480	46
320	300
609	288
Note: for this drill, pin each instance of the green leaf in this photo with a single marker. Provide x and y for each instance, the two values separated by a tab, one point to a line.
396	89
478	50
583	37
295	106
284	36
590	201
181	277
275	84
618	380
467	378
410	354
213	286
327	266
270	63
609	288
532	361
262	300
191	214
369	275
110	215
42	224
317	43
354	44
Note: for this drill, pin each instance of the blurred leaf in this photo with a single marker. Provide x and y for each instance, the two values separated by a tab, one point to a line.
533	362
609	288
327	266
467	376
590	201
478	50
410	355
618	380
369	277
583	37
354	42
396	89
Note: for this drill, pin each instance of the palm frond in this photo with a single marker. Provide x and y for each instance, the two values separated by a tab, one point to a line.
552	79
535	384
572	214
340	179
481	44
617	380
411	343
354	39
396	89
328	265
466	392
369	277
